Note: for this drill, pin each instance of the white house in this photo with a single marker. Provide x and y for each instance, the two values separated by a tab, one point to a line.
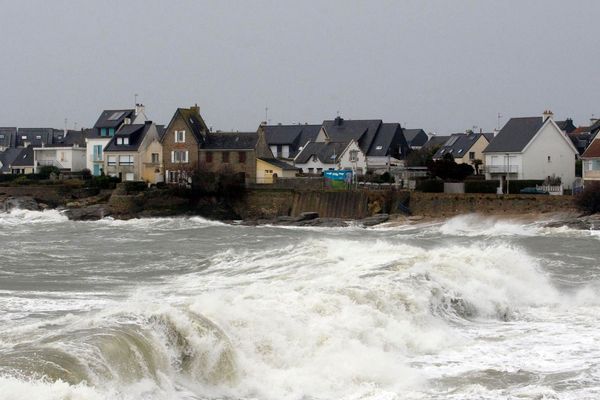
316	157
66	154
531	148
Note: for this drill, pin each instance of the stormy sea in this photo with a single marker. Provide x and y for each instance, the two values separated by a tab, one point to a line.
185	308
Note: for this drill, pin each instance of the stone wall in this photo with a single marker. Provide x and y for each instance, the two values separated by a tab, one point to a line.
52	195
447	205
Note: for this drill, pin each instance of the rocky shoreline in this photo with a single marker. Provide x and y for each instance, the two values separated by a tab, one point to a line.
99	206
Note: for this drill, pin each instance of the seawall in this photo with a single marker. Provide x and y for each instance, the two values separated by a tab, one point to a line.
448	204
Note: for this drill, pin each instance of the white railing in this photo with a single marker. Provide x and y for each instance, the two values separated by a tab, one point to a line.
51	163
555	190
501	169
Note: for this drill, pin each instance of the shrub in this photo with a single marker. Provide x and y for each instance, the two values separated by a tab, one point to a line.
588	201
22	180
7	177
47	170
473	186
448	169
430	186
103	182
135	186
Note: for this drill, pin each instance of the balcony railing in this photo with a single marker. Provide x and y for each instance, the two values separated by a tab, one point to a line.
97	158
502	169
51	163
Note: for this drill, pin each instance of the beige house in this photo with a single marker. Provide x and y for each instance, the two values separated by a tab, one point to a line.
465	148
135	153
591	162
269	169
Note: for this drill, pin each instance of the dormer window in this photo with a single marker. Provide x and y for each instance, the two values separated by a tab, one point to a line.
24	137
122	140
179	136
38	137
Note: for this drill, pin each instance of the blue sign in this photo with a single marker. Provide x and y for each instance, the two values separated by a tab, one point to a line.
340	179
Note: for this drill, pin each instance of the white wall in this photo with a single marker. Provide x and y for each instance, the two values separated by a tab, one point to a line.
71	158
359	166
550	142
315	164
89	152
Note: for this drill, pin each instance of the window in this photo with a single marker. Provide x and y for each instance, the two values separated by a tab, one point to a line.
125	160
549	159
24	137
242	157
353	155
103	132
314	158
97	152
471	155
319	170
209	156
379	147
155	159
278	150
125	140
1	136
112	160
179	136
179	156
111	132
119	140
116	115
38	137
311	170
225	156
129	176
62	156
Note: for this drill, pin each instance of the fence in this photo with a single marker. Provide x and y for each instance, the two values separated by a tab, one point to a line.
555	190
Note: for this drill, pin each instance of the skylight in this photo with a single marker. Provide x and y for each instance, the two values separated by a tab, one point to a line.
379	147
451	141
116	115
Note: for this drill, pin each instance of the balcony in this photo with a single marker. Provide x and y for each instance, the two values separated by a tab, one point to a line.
501	169
49	163
97	158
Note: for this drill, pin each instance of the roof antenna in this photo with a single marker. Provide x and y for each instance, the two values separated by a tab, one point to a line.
337	113
498	125
267	114
135	96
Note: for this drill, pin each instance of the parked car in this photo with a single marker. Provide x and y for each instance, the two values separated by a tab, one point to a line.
532	190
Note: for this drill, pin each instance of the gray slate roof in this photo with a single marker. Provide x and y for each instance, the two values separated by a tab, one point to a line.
435	141
324	151
387	141
7	157
362	131
515	135
8	136
415	137
230	141
295	136
135	133
458	145
24	158
113	118
281	164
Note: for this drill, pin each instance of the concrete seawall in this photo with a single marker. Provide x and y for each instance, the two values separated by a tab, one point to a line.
448	205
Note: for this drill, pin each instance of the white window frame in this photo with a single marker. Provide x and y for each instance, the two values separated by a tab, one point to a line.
126	160
176	156
353	155
179	139
111	160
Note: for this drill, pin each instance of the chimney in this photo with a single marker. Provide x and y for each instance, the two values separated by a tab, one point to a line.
338	121
195	108
547	114
263	123
139	109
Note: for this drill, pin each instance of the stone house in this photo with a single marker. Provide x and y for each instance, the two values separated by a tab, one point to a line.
181	142
235	152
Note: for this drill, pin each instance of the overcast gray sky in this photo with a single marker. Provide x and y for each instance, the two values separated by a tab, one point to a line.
444	66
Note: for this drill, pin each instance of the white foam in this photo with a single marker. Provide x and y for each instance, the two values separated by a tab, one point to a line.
27	217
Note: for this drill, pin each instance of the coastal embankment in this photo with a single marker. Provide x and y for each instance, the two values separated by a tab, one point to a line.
282	205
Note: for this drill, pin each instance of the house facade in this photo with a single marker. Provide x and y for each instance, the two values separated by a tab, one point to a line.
67	153
268	170
108	123
591	162
134	153
531	148
317	157
181	142
234	152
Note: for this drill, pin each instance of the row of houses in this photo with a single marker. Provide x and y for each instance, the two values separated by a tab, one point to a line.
127	144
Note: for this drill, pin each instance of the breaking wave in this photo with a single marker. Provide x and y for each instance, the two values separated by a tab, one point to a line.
331	318
17	217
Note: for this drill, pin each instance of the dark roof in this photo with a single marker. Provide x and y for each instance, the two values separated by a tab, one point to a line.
7	157
72	138
489	136
161	129
436	141
114	118
362	131
35	136
415	137
192	117
24	158
281	164
323	150
295	136
593	150
8	136
230	141
515	135
134	132
458	145
566	125
384	139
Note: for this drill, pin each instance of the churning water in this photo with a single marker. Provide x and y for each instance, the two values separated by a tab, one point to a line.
184	308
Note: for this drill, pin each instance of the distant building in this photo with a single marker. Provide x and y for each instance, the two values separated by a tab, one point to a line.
416	138
285	141
66	154
531	148
591	162
465	148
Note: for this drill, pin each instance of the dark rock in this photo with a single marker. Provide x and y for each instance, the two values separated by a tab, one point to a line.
21	203
374	220
306	216
89	213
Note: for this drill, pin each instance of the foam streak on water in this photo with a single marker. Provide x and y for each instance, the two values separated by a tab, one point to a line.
185	308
